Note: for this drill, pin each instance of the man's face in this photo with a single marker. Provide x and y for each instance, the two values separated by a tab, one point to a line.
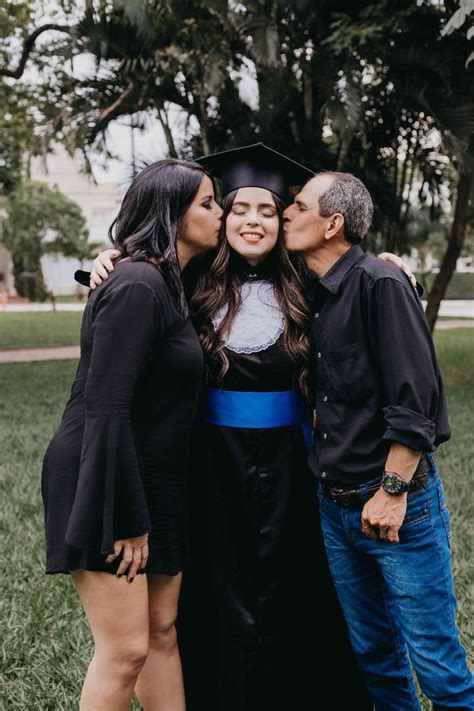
304	227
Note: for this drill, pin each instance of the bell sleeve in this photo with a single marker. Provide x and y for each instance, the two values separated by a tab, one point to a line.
110	501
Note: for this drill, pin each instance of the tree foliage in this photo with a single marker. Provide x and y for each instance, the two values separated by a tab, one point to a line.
382	89
41	220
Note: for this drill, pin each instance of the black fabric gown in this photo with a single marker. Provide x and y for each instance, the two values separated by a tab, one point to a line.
260	623
117	466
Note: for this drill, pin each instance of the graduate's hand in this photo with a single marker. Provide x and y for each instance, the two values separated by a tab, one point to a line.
389	257
383	516
134	555
102	266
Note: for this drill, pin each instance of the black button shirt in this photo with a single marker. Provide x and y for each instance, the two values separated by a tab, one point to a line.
376	377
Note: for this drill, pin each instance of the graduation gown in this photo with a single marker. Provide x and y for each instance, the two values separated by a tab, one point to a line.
259	594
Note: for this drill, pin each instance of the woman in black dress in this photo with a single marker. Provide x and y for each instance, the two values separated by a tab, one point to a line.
114	474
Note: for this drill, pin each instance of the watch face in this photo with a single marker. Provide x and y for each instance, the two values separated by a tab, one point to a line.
392	484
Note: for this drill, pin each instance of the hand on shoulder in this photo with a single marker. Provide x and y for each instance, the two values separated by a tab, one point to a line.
400	263
102	266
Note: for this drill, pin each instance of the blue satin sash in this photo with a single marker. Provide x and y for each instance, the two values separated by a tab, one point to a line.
255	410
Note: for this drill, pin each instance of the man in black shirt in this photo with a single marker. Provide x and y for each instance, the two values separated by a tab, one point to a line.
380	413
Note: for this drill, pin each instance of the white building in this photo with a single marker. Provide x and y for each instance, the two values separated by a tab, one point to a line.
98	202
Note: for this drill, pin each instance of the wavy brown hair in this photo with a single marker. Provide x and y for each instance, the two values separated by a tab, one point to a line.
220	285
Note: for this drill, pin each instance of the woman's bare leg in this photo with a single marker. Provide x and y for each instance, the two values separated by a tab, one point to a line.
117	612
160	682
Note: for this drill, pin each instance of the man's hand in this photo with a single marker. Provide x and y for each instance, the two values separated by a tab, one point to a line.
383	516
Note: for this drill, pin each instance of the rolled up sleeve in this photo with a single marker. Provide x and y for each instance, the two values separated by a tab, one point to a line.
404	351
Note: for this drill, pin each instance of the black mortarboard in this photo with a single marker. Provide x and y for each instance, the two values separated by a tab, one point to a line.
255	166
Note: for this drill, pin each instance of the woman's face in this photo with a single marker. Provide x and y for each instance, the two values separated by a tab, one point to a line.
199	229
253	224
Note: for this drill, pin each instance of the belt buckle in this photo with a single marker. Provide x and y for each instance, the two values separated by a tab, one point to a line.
335	493
346	500
343	497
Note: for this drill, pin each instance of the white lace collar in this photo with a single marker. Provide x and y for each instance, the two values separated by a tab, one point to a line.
259	321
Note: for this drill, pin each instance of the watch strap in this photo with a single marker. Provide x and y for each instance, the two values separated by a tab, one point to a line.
402	485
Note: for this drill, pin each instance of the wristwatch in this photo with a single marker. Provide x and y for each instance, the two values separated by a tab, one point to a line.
393	483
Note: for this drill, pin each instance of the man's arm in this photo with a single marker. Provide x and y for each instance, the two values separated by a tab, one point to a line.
383	514
404	353
101	267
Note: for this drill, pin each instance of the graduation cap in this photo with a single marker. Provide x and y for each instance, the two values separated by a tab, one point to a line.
255	166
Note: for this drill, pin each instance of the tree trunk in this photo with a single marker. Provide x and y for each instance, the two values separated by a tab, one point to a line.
206	146
345	144
29	282
308	98
163	119
453	251
132	149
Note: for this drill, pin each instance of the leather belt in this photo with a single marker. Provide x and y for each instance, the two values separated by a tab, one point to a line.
358	496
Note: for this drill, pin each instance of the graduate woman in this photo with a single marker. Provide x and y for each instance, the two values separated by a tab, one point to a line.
114	473
269	593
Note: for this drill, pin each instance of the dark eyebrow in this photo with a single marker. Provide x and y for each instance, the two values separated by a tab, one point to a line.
206	197
260	204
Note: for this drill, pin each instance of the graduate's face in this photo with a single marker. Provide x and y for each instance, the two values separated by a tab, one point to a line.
253	224
305	229
199	229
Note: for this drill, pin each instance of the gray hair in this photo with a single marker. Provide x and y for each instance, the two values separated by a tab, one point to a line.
348	196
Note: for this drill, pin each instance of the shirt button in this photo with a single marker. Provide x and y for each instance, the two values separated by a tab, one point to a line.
316	315
319	354
323	475
325	435
325	398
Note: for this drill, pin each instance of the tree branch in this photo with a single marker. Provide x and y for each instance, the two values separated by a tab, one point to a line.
27	48
110	109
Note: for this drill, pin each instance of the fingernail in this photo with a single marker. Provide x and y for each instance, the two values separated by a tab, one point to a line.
119	575
131	580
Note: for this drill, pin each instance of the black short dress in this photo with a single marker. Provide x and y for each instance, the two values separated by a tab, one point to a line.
117	466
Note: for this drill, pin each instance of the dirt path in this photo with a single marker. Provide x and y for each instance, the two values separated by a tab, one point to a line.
456	323
28	355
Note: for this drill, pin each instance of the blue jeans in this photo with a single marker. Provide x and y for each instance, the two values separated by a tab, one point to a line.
399	601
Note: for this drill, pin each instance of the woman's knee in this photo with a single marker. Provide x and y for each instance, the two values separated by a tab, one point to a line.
163	593
163	634
124	658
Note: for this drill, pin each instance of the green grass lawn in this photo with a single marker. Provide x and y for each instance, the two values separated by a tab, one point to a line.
35	330
45	640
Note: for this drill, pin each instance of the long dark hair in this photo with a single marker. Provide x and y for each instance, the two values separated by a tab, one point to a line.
220	285
147	224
